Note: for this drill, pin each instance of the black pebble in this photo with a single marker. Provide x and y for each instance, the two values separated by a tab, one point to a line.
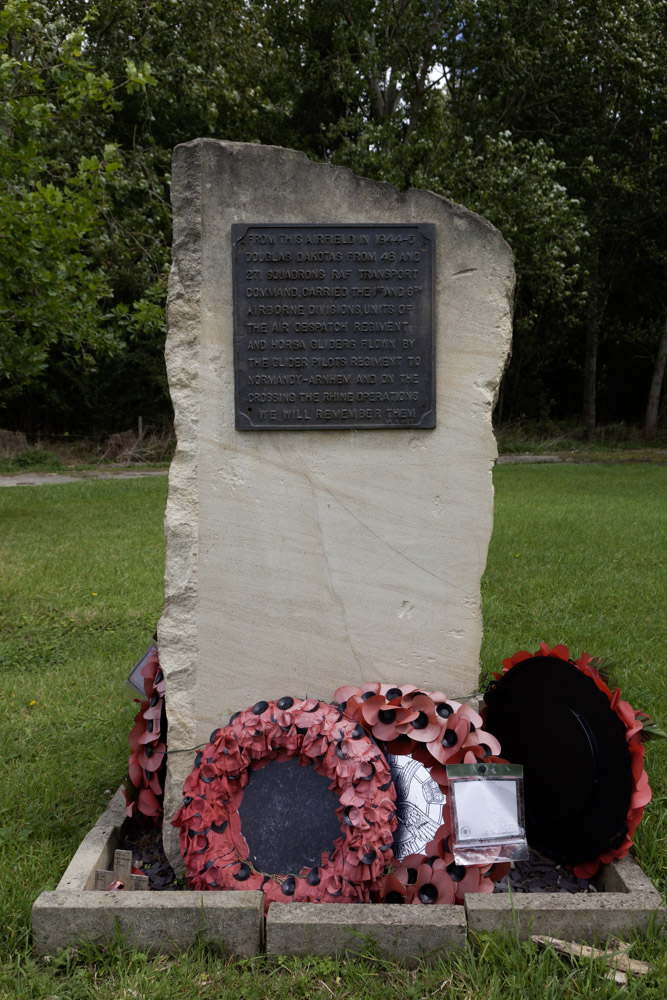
394	897
393	693
232	717
288	886
283	704
387	715
449	739
444	710
366	695
313	876
259	707
219	827
421	722
242	874
412	876
358	732
212	738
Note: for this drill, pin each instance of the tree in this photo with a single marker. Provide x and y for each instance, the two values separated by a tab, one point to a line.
391	90
52	290
588	78
547	118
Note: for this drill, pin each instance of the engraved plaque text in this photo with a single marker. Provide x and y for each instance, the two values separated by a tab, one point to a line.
333	326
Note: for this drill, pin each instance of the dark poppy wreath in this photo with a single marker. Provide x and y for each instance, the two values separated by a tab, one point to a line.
633	721
212	843
144	789
436	731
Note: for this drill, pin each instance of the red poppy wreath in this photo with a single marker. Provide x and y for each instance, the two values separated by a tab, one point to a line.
213	847
436	731
148	760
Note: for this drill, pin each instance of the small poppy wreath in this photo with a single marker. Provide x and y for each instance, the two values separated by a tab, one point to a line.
212	843
436	731
640	794
147	763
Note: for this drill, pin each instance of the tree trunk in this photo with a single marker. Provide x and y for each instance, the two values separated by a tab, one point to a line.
653	401
591	357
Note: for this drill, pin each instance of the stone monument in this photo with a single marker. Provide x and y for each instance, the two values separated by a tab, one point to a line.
334	352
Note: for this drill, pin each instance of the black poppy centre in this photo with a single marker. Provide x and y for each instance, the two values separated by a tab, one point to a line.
288	817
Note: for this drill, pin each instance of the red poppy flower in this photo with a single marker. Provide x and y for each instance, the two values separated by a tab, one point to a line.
433	884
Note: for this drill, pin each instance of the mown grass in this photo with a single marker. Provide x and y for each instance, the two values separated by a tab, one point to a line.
577	557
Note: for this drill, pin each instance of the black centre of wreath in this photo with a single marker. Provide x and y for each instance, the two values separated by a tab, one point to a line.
288	817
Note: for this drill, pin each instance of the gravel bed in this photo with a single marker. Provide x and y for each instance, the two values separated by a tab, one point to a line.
536	874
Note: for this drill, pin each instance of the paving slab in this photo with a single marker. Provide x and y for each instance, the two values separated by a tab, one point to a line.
154	921
163	922
408	933
626	901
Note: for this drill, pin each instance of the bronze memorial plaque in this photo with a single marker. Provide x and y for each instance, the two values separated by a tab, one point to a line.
333	326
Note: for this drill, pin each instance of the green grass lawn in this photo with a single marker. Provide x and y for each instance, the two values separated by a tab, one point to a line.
577	556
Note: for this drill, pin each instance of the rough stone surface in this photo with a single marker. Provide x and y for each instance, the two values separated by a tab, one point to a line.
627	902
301	560
402	932
164	922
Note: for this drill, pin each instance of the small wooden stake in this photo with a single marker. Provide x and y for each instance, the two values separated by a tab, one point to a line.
617	959
122	872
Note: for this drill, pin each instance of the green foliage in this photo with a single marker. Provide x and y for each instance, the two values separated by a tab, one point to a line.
50	286
32	460
548	118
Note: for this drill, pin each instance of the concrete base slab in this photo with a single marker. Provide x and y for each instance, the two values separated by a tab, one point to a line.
168	921
154	921
163	922
626	901
407	933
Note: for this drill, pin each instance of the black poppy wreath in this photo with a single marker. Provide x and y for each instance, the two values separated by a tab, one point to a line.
436	731
212	843
622	779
